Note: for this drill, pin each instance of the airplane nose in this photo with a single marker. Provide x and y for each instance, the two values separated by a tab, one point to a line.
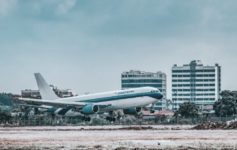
159	96
156	95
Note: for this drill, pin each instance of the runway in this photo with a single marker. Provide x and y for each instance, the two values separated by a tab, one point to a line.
116	137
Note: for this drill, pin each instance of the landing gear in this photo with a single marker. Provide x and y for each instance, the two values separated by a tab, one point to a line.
152	110
110	119
36	111
86	118
114	115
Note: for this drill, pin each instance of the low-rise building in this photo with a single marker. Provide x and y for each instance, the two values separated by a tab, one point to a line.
28	93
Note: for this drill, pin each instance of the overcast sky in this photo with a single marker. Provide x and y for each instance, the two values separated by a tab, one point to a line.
86	44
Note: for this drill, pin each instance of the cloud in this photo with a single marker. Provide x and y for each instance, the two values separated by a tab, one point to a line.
81	38
65	6
7	6
53	7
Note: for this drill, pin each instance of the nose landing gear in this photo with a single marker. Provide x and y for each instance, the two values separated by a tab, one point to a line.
152	109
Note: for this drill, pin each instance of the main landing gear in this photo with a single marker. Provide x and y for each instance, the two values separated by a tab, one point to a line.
86	118
110	118
114	115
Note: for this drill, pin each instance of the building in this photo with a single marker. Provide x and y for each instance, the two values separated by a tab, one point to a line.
135	79
62	92
196	83
28	93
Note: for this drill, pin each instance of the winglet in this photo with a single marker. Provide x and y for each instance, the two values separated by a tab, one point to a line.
45	91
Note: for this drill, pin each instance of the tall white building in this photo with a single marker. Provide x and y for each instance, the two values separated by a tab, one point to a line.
135	79
196	83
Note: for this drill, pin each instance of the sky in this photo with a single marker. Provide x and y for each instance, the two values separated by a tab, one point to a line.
85	45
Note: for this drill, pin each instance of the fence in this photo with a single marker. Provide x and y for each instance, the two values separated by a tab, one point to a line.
129	120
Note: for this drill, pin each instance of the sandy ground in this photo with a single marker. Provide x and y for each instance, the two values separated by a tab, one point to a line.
116	137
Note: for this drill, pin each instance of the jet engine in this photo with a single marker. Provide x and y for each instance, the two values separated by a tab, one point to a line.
90	109
132	111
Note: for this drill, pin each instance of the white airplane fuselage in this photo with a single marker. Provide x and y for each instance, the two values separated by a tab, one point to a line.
121	99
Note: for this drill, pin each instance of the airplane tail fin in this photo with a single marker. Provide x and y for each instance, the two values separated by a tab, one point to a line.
45	91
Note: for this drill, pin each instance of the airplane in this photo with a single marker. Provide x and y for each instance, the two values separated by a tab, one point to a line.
129	100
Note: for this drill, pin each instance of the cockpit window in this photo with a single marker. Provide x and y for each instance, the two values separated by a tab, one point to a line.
154	91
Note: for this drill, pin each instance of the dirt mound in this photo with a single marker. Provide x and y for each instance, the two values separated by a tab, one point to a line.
216	125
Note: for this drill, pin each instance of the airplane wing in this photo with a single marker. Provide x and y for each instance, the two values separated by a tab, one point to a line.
35	106
57	103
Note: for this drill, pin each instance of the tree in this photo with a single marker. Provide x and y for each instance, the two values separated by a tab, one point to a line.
187	110
6	99
4	116
227	105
